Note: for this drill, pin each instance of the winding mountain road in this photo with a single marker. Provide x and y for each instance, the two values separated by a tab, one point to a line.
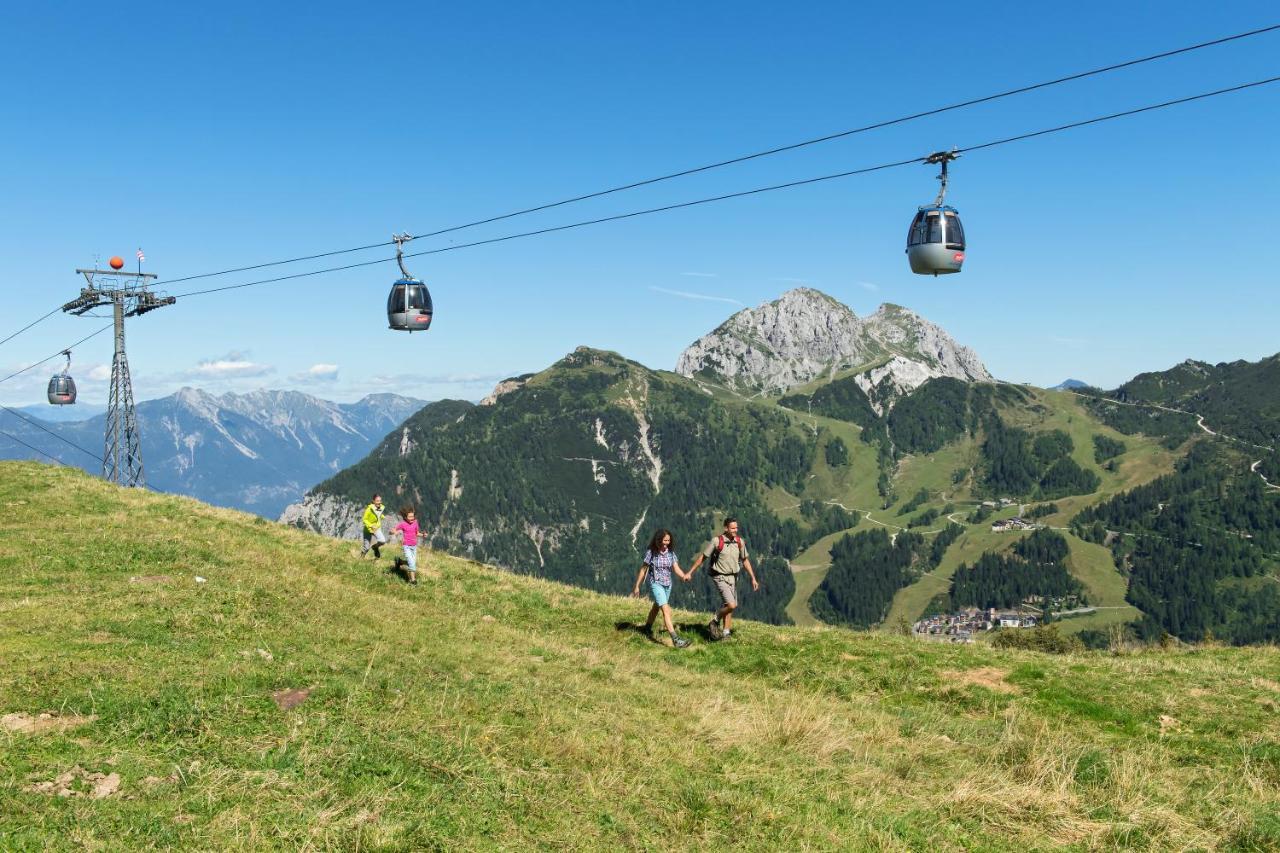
1199	422
1254	469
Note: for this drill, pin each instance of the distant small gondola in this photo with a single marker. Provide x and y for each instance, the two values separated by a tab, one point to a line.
62	388
935	241
409	303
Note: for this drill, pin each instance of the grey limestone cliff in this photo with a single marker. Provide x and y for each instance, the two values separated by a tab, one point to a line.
806	335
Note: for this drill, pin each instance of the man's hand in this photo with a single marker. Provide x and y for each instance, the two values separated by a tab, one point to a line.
755	585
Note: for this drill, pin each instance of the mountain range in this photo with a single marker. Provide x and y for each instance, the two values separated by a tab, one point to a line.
257	451
874	465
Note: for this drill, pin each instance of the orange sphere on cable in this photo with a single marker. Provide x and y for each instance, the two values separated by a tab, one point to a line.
116	262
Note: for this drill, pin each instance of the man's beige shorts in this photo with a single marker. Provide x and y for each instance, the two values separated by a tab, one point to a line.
727	586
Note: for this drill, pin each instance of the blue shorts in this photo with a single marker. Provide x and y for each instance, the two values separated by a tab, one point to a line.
411	557
660	594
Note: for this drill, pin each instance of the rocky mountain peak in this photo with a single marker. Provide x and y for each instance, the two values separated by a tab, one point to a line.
905	333
780	344
806	334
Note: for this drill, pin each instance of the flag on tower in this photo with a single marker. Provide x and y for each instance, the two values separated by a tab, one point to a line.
141	257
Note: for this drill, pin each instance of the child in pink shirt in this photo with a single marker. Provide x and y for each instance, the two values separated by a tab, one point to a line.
408	530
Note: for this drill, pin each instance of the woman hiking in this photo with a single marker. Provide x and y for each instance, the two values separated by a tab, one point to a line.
659	562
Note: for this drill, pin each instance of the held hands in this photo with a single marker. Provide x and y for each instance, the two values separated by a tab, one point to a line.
684	576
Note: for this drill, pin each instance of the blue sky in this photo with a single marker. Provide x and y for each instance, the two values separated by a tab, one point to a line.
220	135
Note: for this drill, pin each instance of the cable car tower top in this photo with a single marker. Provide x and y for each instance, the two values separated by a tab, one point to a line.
129	295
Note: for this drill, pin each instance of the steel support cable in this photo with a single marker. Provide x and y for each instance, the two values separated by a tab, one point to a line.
42	427
708	167
1190	98
36	423
554	228
29	325
790	184
756	155
55	355
32	448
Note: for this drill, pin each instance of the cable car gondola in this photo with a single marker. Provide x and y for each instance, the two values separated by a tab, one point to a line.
935	241
62	388
409	303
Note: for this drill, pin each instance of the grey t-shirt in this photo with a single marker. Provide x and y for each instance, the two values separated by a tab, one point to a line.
729	562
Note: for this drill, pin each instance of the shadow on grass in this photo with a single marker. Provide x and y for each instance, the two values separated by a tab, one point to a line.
399	568
698	629
656	634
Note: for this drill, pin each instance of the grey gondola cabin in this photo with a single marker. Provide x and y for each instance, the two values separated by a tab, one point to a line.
409	306
62	388
409	303
935	241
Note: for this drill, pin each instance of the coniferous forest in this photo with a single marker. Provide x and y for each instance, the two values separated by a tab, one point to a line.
1035	570
1018	463
868	568
1199	547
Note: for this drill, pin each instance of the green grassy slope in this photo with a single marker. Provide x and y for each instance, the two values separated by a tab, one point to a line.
483	710
854	486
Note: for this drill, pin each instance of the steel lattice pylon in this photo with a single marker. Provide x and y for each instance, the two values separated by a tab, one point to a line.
128	296
122	453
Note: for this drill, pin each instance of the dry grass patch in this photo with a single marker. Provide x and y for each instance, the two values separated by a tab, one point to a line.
1013	808
286	699
986	676
45	722
78	782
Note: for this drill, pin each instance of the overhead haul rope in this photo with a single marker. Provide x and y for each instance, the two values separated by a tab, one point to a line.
719	164
758	190
765	153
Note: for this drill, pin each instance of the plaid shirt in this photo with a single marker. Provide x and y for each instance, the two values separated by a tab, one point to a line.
660	566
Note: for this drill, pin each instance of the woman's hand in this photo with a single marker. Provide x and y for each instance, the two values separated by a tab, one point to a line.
635	592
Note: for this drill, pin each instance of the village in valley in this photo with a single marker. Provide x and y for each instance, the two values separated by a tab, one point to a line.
967	624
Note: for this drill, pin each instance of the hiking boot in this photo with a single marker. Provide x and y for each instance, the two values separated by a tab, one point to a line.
647	630
680	642
713	628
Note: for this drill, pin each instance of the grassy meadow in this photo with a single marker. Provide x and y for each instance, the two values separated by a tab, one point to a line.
300	698
854	487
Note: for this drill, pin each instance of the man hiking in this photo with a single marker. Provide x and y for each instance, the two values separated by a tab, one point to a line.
371	535
726	555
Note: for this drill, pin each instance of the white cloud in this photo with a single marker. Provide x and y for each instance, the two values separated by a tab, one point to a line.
866	285
317	373
100	373
701	274
684	294
233	365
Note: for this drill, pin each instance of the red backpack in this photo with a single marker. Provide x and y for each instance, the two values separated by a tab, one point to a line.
715	552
